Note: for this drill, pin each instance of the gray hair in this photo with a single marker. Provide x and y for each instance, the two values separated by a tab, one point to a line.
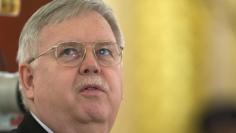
55	12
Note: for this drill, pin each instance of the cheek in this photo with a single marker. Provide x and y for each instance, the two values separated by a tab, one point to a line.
114	79
53	86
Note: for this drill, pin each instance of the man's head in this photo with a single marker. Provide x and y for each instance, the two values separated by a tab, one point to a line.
70	65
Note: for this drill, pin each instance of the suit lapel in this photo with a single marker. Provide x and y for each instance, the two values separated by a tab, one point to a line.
30	125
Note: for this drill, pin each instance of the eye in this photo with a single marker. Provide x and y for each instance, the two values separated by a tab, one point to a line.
104	52
69	51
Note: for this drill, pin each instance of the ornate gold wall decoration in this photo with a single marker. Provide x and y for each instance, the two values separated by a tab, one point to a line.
10	7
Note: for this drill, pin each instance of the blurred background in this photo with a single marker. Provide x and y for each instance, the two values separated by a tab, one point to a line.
180	60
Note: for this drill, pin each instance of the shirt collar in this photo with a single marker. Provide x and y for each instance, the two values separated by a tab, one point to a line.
41	123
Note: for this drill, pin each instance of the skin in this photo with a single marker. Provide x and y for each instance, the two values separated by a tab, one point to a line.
50	88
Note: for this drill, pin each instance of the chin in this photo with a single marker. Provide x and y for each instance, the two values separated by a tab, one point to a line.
98	114
92	112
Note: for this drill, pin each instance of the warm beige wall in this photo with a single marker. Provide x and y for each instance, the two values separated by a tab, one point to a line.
171	63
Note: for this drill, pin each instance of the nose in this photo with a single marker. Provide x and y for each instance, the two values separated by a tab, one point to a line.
89	65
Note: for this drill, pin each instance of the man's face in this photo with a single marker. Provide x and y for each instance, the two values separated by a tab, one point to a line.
56	95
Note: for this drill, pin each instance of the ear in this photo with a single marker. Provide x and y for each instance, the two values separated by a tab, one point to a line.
26	77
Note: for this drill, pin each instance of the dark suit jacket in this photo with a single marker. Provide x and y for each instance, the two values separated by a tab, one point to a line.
29	125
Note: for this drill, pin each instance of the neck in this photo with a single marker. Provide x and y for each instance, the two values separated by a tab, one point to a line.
58	125
77	127
84	128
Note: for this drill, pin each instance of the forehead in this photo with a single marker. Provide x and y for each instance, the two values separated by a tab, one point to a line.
86	27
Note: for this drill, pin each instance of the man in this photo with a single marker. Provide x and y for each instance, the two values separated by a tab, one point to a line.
70	68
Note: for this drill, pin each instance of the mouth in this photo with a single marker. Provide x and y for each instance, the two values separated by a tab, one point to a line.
92	90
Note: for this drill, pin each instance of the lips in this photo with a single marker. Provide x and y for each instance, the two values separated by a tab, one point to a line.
91	90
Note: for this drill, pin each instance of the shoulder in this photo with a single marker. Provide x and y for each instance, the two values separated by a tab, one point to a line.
28	125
